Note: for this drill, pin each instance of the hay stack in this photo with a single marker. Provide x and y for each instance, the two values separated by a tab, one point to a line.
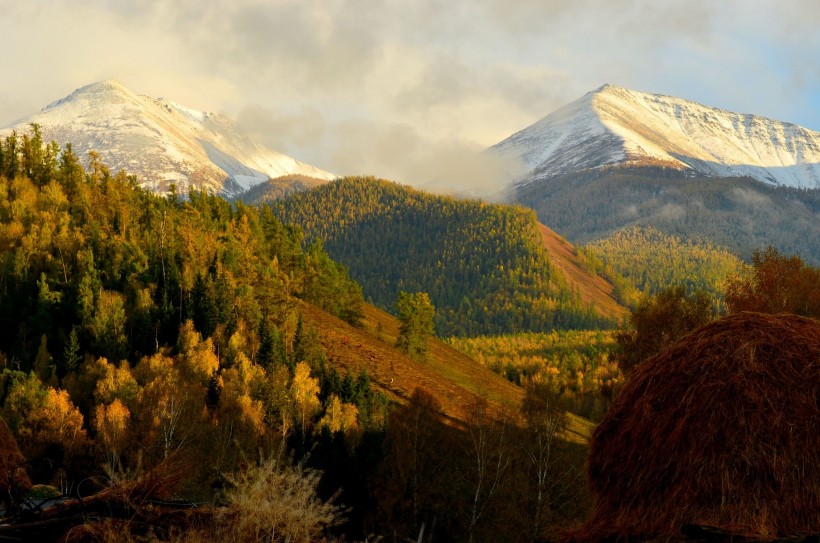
14	482
722	429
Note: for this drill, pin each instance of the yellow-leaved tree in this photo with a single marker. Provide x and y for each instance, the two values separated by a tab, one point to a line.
171	407
240	416
339	416
55	423
198	359
304	391
112	423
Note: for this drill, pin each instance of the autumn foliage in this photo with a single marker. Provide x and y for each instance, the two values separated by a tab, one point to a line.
140	328
777	284
659	321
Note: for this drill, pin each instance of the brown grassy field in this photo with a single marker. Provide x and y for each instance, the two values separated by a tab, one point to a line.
592	288
454	379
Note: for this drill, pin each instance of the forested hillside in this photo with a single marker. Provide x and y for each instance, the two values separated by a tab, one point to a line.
645	260
123	268
191	350
137	327
278	188
484	265
575	366
740	214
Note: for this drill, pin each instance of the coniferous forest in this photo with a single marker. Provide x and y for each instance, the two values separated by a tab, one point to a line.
483	265
644	260
299	271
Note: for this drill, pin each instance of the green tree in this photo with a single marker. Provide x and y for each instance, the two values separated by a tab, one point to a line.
71	352
44	366
660	320
416	313
485	265
271	352
107	325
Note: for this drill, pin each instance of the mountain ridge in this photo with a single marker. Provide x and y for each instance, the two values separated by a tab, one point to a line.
613	125
162	141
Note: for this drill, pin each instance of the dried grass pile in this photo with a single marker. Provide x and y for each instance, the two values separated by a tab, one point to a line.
722	429
14	482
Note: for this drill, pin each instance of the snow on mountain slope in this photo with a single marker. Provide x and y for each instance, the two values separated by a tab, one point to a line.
613	125
161	141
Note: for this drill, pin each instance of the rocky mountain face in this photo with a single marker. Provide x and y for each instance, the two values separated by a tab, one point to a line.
162	142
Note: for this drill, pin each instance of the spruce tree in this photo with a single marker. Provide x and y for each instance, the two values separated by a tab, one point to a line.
416	313
71	351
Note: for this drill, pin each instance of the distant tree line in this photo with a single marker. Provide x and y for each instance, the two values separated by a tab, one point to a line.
576	366
644	260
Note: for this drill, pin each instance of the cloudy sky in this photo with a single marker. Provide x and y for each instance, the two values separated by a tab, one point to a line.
406	89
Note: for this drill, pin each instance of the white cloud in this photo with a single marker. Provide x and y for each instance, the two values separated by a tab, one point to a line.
751	197
336	82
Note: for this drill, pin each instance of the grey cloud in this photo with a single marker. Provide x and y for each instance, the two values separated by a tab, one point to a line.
794	17
289	133
463	169
401	153
531	15
653	21
452	80
287	42
442	83
308	44
594	20
389	150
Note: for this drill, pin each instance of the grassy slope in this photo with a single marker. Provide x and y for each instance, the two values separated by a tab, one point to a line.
592	288
454	379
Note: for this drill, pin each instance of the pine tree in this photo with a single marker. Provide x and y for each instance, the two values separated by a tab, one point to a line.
271	352
71	352
298	352
416	313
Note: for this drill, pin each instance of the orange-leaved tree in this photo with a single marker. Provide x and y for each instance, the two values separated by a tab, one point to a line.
777	284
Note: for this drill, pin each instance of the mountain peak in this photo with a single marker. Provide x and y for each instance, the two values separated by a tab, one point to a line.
106	86
109	83
616	126
162	142
108	90
606	87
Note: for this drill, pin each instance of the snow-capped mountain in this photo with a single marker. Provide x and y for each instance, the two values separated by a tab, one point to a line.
161	141
618	126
